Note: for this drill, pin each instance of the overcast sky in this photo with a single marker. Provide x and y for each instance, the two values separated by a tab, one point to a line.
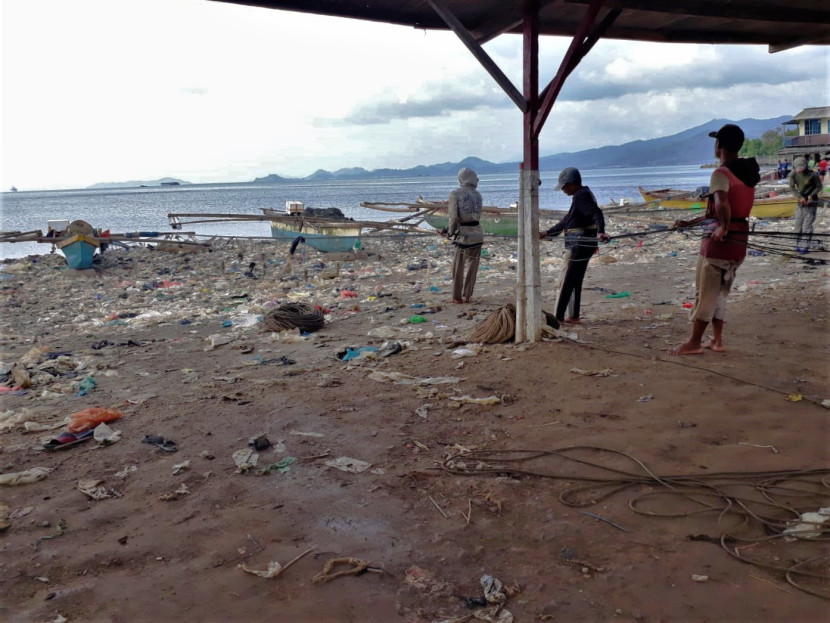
117	90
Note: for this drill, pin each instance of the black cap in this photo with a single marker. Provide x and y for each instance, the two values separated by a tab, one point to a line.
730	137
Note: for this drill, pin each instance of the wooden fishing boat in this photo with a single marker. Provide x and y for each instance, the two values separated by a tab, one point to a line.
498	221
328	236
780	206
79	250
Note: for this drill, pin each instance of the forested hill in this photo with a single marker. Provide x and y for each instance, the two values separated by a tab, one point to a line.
692	146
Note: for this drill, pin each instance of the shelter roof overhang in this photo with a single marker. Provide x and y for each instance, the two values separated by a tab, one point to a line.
780	24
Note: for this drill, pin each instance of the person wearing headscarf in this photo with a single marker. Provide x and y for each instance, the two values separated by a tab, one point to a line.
583	224
806	185
464	211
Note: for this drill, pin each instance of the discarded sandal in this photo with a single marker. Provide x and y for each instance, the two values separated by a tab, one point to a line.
67	440
160	442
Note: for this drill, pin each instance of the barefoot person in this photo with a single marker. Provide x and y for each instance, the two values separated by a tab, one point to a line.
725	234
583	224
466	234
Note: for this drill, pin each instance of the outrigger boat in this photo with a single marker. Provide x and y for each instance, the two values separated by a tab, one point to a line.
766	206
493	220
324	229
330	232
78	240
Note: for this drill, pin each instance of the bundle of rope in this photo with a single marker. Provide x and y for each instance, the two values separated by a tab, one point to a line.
751	507
500	326
294	316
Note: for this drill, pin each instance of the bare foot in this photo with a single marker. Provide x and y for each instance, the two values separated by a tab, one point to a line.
457	301
712	345
572	321
686	349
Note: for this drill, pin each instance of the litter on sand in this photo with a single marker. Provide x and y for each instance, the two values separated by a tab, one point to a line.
603	372
29	476
348	464
489	400
406	379
274	568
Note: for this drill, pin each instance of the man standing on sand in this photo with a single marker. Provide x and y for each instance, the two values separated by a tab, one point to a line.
583	224
725	235
806	185
464	211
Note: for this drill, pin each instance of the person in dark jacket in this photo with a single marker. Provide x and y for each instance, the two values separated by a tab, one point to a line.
583	226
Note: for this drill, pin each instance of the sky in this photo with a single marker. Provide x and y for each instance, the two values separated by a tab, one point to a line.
116	90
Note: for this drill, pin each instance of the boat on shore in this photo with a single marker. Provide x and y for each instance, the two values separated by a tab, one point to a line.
767	204
328	230
496	221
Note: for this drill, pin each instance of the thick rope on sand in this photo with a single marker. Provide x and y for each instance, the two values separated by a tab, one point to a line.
294	316
500	326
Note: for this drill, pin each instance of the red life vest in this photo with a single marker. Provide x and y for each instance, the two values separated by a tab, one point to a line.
733	246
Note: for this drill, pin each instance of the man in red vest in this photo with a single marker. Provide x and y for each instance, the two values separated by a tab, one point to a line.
725	236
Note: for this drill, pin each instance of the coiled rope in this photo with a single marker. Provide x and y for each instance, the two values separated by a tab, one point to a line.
294	316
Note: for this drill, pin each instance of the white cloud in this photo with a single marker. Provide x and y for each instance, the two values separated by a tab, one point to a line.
96	90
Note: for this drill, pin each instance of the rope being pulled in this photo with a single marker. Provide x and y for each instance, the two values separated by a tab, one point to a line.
500	326
294	316
751	507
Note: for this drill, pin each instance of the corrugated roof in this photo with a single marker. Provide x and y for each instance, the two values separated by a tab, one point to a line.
778	23
821	112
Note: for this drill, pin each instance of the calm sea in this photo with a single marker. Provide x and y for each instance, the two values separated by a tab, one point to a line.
146	209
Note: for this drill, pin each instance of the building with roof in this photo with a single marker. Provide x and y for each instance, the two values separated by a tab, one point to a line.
813	133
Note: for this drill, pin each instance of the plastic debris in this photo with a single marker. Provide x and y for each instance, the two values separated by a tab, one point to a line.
603	372
93	489
700	578
348	464
26	477
245	460
458	353
105	436
618	295
178	468
90	418
175	495
406	379
811	525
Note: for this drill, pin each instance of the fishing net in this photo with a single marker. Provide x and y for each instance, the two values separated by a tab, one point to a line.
294	316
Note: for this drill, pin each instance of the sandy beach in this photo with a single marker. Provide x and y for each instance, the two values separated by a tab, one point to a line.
383	458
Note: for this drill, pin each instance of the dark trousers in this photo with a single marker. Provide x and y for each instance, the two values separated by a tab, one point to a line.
572	280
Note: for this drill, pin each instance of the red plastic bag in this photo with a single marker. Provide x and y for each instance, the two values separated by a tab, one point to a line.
90	418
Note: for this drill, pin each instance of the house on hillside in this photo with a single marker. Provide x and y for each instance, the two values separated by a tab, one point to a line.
813	133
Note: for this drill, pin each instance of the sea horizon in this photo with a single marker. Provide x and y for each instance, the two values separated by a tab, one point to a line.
146	208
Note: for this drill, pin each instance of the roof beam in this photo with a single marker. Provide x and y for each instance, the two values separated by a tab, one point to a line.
478	52
719	8
586	36
781	47
494	28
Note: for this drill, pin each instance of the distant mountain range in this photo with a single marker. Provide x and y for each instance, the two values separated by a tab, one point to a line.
692	146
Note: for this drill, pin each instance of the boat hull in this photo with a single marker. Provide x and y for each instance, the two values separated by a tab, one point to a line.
79	251
772	207
501	225
325	238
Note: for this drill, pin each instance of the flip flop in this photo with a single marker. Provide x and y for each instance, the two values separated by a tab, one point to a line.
160	442
67	440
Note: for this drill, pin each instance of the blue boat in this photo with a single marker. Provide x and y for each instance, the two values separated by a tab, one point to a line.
79	250
329	235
